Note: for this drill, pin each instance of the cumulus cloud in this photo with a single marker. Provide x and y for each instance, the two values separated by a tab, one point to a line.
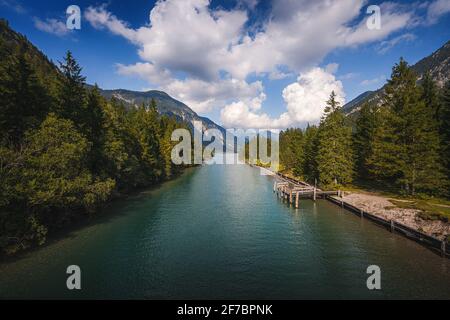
305	99
203	96
182	35
203	42
51	26
215	52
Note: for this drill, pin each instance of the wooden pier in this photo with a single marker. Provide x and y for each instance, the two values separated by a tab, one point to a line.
292	190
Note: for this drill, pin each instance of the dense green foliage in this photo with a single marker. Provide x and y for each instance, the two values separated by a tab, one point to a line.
401	144
64	149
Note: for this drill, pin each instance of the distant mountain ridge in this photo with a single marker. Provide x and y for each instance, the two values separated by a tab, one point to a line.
438	64
13	42
164	103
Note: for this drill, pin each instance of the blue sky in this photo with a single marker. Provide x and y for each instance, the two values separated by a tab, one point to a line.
243	63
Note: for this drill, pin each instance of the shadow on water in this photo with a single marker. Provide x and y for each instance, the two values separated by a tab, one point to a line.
113	210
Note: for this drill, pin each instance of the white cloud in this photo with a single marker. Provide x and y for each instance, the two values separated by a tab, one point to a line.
100	18
215	54
377	80
349	76
305	100
437	9
51	26
190	37
13	5
203	96
182	35
385	46
147	71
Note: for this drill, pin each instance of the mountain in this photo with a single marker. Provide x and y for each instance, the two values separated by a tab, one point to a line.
165	105
13	44
438	64
347	108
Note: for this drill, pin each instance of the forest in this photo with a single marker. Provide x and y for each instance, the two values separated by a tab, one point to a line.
65	151
400	143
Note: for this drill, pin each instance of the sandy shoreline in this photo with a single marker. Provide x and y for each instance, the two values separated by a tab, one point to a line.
382	207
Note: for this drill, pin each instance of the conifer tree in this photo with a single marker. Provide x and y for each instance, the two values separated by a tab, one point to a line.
365	127
94	120
430	96
334	154
72	95
444	130
310	153
24	100
406	146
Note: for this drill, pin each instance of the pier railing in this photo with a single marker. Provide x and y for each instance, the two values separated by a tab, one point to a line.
292	190
439	246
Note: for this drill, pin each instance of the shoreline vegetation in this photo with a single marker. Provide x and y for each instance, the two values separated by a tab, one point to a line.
66	151
392	157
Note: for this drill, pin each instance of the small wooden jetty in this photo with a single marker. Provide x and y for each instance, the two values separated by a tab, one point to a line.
292	190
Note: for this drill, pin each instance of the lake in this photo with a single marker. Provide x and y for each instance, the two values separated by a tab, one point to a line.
219	232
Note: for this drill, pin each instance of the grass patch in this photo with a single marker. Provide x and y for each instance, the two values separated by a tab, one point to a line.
430	209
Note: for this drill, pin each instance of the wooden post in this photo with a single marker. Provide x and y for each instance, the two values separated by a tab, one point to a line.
314	196
443	249
297	196
362	213
274	186
392	225
290	196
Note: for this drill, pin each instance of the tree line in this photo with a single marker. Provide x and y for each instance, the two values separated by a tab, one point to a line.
65	150
400	143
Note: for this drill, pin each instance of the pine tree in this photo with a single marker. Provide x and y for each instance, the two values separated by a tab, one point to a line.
93	128
334	154
444	130
406	146
72	93
291	153
430	96
310	153
384	162
24	100
365	127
